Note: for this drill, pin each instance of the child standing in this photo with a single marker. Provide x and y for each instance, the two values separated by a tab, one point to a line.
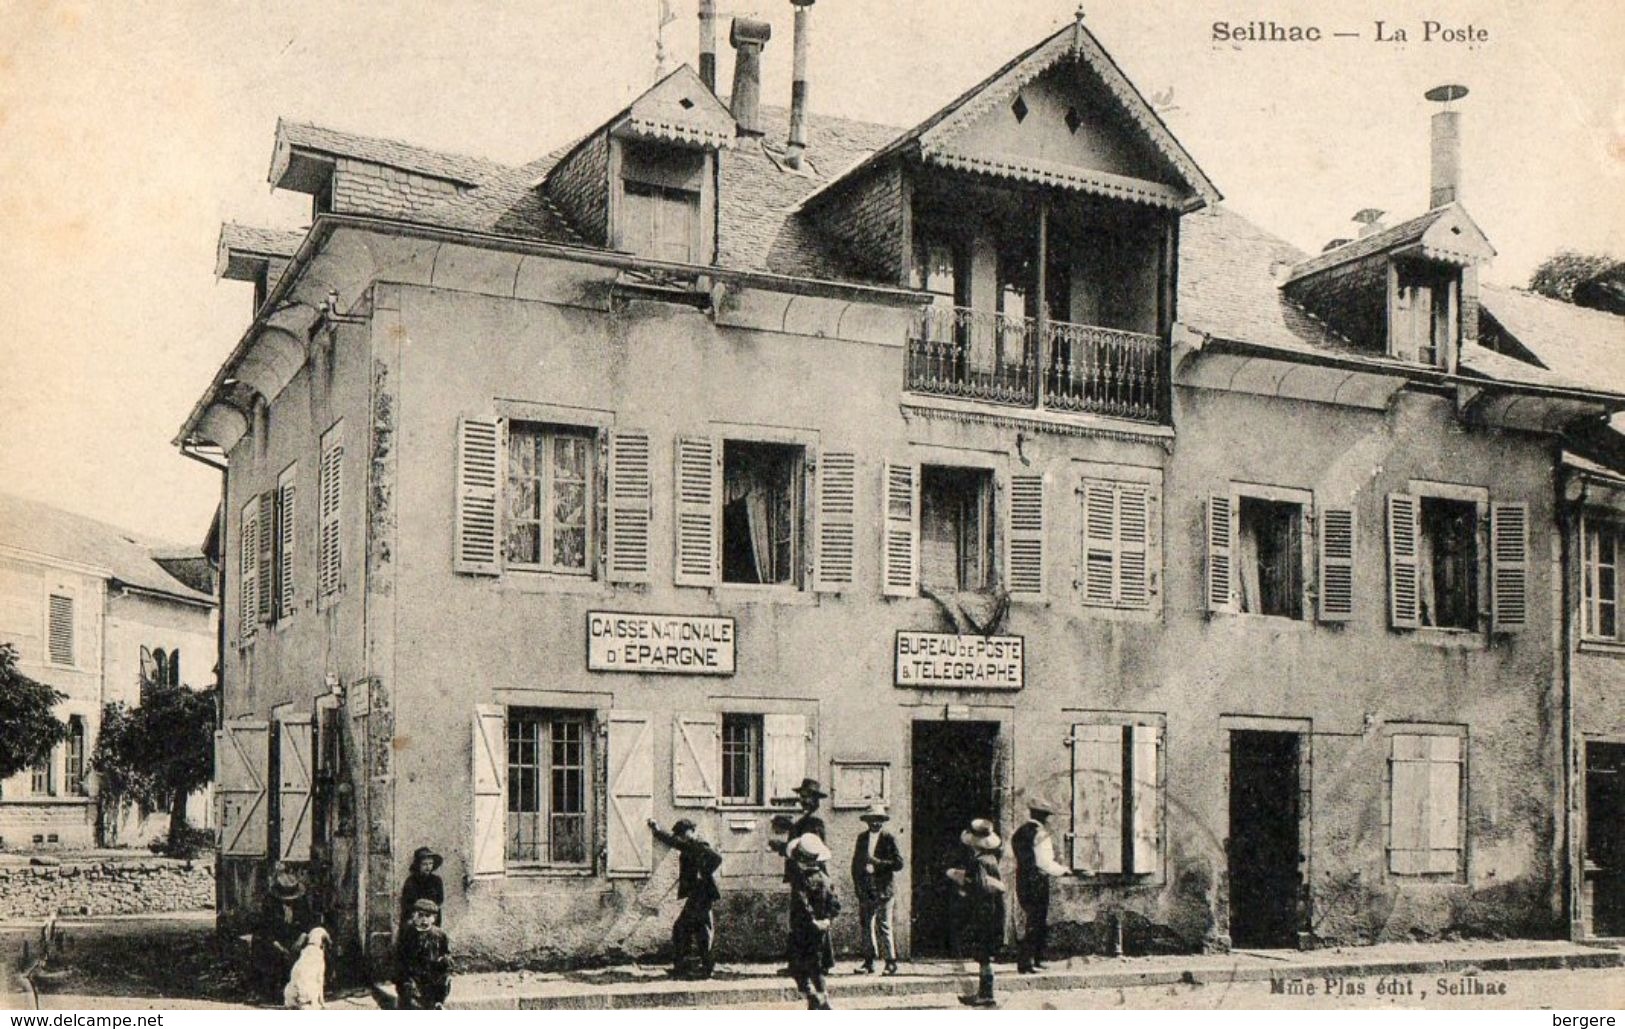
422	961
813	906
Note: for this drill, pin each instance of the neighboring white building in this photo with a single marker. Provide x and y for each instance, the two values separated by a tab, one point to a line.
87	605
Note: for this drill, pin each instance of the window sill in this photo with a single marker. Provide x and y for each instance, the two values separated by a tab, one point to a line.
1124	614
1451	639
528	581
1611	648
745	593
546	872
1273	621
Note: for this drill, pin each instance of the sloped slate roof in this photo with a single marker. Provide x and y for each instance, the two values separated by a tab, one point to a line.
254	240
1575	342
1403	234
391	153
128	557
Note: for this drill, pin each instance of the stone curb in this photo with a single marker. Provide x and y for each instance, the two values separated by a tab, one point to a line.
713	994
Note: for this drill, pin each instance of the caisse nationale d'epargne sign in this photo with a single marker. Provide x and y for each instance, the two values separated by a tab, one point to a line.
659	644
945	661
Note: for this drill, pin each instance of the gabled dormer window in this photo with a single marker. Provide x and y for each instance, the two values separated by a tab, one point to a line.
1424	313
658	214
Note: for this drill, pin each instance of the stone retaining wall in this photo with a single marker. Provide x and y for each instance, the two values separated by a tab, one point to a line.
107	888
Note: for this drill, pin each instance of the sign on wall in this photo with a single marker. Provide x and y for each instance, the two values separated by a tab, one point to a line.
943	660
659	644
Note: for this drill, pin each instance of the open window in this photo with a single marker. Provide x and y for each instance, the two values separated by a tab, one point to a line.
1270	561
956	532
659	214
763	494
1447	565
1425	312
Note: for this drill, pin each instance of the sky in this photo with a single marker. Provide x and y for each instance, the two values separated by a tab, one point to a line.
130	130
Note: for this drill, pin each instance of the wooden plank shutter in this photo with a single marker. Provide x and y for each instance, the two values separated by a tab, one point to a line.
696	761
1097	798
1336	564
699	511
1024	538
836	553
1133	546
286	587
1099	542
784	755
1509	567
1221	534
1145	799
476	549
629	507
241	749
265	573
900	550
248	570
630	763
330	504
1425	804
1404	589
1444	803
295	773
488	846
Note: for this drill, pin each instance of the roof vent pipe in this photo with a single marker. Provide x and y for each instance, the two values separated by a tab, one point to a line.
748	36
1445	183
798	85
708	44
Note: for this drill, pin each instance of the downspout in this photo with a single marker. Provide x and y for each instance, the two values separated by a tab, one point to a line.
1569	527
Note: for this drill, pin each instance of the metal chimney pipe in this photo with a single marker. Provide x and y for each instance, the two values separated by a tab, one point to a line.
708	44
798	85
748	36
1445	174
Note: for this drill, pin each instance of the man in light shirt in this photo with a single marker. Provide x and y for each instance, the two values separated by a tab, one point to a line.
876	860
1034	849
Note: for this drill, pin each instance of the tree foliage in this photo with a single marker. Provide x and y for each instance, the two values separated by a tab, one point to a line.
28	729
158	754
1559	274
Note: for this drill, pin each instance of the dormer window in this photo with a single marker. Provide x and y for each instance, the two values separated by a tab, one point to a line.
661	191
1423	323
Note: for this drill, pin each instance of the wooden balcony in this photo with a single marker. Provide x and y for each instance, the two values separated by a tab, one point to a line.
995	358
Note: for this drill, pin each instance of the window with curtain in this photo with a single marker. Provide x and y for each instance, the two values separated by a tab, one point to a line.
1270	563
549	517
1447	563
761	513
956	539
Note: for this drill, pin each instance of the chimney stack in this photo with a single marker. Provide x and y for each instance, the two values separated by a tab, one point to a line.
1445	178
748	36
708	44
798	86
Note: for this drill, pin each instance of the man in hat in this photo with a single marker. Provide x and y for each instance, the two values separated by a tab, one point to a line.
808	796
283	919
876	859
813	907
983	890
697	863
1034	849
422	960
422	884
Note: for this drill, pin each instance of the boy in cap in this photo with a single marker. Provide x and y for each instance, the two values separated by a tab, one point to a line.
1035	866
876	859
697	887
422	961
813	905
808	794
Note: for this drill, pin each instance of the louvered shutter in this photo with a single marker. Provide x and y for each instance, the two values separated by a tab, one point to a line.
488	846
248	569
699	511
630	764
1133	546
1404	600
836	552
1425	804
1097	798
1336	564
784	755
1145	848
286	588
1221	535
900	550
265	573
629	507
696	761
1099	542
1024	538
240	752
330	505
477	548
295	774
1509	566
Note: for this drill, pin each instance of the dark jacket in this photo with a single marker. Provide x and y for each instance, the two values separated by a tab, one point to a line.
423	957
1032	884
984	899
888	861
420	886
697	863
813	898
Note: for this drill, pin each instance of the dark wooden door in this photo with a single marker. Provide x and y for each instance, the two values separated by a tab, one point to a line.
953	782
1604	878
1264	849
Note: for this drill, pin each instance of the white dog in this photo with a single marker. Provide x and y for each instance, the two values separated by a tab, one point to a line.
309	975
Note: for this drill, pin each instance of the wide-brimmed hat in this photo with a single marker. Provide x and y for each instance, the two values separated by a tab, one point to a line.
286	886
427	852
425	905
811	786
807	849
875	813
980	835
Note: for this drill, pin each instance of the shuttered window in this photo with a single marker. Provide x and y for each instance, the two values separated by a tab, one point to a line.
739	759
59	630
241	753
1337	535
474	548
1024	538
900	546
266	604
296	776
248	569
1121	544
1509	567
1425	823
286	520
549	787
629	507
1457	561
628	845
1117	798
548	515
835	558
698	509
330	502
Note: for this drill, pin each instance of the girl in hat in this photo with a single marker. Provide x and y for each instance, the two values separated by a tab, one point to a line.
813	906
422	884
983	891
